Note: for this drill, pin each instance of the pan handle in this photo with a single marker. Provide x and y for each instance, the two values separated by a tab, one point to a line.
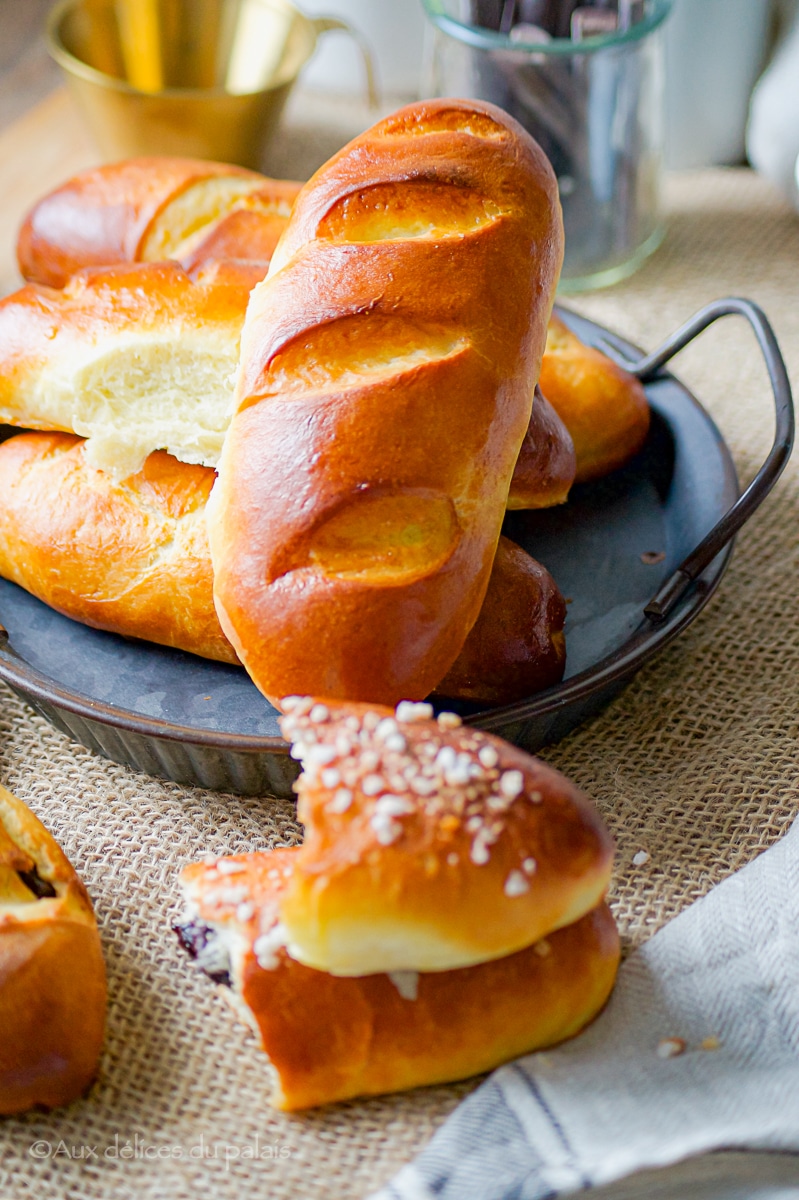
646	368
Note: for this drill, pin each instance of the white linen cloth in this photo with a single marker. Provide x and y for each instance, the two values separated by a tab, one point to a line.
718	990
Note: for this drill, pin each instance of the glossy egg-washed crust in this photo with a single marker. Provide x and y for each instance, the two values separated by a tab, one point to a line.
331	1038
129	557
516	647
146	209
387	371
429	845
52	975
603	406
547	463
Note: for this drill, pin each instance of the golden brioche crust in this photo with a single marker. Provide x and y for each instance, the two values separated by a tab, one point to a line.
604	407
516	647
385	387
52	975
429	845
106	215
547	462
331	1038
131	557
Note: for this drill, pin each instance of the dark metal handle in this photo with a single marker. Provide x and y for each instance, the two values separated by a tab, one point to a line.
646	368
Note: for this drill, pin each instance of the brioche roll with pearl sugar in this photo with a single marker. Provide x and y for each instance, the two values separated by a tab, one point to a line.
149	209
604	407
429	845
387	371
131	558
52	975
134	358
331	1038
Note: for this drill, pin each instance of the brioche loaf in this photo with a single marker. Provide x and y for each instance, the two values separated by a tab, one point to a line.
604	407
516	647
131	557
387	370
330	1038
52	976
149	209
546	465
135	358
429	845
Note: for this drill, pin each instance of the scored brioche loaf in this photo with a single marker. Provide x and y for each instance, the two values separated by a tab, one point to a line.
52	975
330	1038
219	220
429	845
131	557
148	209
140	358
385	387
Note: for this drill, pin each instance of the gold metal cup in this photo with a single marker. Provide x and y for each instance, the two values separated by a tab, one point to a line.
203	78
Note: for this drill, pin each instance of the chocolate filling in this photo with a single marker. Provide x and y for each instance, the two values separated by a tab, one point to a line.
41	888
198	940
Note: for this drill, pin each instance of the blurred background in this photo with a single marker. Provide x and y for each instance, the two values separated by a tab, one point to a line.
715	83
715	52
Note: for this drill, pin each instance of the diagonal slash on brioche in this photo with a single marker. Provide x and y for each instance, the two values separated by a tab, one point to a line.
149	209
384	390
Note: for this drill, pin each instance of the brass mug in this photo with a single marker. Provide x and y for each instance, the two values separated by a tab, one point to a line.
201	78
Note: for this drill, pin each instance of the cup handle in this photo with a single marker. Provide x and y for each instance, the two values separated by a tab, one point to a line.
328	24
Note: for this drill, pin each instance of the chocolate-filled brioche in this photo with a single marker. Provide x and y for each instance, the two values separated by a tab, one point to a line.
52	975
330	1038
387	372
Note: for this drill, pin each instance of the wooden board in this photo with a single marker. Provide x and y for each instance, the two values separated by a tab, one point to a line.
37	153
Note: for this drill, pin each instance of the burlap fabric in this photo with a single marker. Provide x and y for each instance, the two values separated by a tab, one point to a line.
696	763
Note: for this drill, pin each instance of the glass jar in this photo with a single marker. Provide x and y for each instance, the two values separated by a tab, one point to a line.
596	108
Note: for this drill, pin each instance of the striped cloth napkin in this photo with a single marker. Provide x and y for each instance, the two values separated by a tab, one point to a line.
697	1051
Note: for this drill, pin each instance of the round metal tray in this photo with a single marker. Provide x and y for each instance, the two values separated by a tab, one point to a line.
171	714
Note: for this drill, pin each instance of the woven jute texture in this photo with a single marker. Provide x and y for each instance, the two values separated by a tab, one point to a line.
696	763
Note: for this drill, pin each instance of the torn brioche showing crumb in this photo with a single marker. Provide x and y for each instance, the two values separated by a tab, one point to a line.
396	880
331	1038
134	358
